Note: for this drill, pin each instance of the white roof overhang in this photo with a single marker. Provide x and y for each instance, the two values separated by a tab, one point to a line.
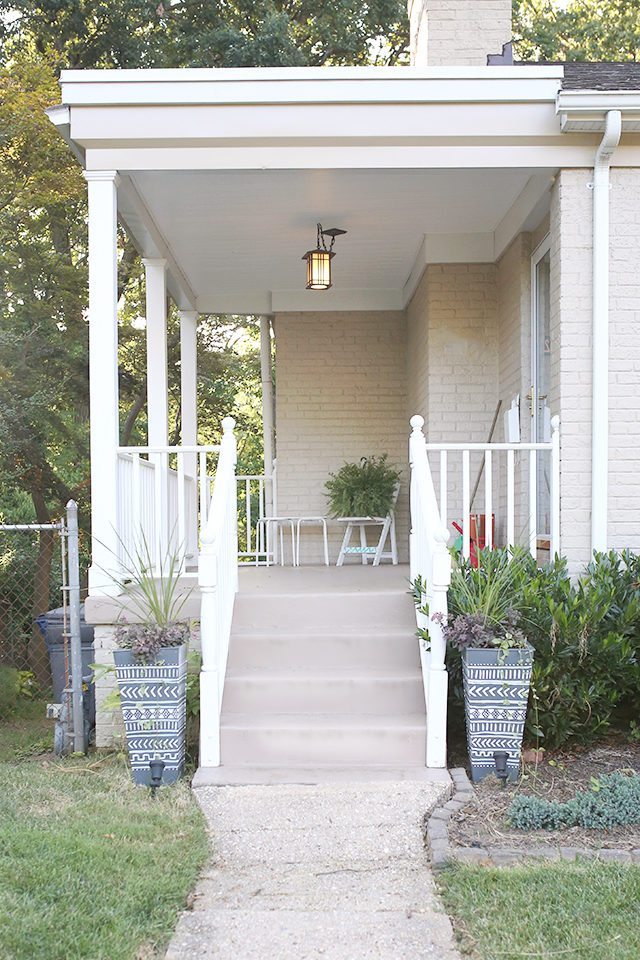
224	173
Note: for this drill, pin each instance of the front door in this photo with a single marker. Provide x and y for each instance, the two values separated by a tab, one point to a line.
541	376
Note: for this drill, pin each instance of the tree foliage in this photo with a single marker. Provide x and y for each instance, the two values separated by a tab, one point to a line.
44	397
578	30
206	33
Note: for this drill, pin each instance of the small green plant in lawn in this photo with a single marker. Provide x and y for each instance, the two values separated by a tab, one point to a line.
612	801
364	489
15	686
9	691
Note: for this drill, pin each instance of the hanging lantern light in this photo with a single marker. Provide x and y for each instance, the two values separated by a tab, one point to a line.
319	260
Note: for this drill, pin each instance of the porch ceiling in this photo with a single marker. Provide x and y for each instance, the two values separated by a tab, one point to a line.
237	236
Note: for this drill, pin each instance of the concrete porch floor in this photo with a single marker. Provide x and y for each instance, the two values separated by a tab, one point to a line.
269	581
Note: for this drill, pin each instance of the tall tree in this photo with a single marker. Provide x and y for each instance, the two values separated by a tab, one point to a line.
139	33
578	30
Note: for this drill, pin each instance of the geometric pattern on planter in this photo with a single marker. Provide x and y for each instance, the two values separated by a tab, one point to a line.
153	699
496	691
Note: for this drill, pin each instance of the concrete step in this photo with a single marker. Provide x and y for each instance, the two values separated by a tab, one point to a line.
322	649
297	612
270	775
342	691
289	740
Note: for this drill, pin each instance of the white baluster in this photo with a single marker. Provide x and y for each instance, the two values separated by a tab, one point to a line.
466	508
135	546
203	480
247	497
533	502
510	498
555	487
182	514
444	483
488	500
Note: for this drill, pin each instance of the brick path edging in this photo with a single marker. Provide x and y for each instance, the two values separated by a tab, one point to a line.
442	853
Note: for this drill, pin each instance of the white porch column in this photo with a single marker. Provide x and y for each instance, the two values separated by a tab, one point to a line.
268	419
188	380
189	414
157	376
158	398
103	376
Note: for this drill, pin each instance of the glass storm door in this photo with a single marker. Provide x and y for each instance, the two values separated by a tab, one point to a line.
541	377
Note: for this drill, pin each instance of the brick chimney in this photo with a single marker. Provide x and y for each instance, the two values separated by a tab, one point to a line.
455	33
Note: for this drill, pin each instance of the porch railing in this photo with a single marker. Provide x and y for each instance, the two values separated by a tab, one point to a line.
430	561
163	501
510	492
257	499
218	581
163	496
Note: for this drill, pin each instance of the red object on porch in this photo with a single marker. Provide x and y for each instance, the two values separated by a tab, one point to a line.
477	534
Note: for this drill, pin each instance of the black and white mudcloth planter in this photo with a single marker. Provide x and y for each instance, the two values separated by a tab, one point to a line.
154	699
496	691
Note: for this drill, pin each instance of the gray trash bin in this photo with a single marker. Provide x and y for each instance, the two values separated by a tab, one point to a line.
51	624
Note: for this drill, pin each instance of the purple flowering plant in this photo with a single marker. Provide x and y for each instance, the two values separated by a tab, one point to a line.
486	602
476	630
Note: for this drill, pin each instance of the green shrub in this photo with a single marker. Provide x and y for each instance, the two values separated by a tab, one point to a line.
586	636
364	489
9	691
613	801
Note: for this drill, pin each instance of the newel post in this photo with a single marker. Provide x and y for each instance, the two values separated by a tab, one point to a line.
430	559
218	560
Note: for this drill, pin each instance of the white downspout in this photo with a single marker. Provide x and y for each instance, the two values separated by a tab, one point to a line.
268	420
600	414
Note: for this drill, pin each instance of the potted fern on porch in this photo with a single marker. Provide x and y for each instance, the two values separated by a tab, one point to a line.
151	666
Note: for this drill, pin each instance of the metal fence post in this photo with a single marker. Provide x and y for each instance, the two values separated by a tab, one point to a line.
73	554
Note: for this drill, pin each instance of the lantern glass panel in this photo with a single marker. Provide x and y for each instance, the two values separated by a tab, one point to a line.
318	270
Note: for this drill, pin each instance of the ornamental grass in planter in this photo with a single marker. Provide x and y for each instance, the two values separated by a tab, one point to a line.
497	658
151	667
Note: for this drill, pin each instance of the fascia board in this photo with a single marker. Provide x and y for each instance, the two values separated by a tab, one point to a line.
262	86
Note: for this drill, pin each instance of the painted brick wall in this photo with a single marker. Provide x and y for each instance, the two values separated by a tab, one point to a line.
571	228
458	32
340	395
624	365
453	362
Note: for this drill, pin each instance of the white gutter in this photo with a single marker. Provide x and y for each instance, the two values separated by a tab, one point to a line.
600	307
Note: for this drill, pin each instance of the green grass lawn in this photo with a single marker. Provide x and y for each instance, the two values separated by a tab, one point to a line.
91	868
26	732
553	911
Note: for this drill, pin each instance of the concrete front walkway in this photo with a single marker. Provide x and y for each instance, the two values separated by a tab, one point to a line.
335	871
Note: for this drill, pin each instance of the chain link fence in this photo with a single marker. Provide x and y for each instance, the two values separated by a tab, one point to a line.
32	575
39	572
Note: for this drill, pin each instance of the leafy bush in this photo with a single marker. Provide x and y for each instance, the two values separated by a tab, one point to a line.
9	691
364	489
586	636
613	801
